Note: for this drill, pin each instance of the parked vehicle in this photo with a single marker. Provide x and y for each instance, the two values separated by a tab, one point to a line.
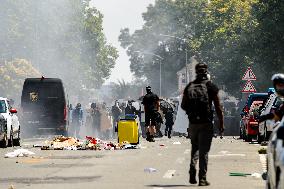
251	123
44	106
275	158
245	111
11	132
266	127
3	132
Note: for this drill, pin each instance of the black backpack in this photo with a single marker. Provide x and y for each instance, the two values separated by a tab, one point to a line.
199	109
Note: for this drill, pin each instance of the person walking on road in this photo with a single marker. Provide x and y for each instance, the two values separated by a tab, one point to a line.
197	102
169	116
116	112
77	119
151	108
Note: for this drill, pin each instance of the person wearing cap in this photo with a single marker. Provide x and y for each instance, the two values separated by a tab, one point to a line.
151	107
201	128
278	84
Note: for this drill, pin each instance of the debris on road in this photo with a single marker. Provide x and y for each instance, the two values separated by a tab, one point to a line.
177	142
254	175
90	143
19	153
262	151
150	170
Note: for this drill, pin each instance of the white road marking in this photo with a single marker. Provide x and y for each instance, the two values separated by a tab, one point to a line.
223	155
187	151
180	160
224	152
169	174
263	158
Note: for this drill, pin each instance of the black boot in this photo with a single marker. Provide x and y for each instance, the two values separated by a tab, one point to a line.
203	182
166	132
169	134
151	138
192	176
148	137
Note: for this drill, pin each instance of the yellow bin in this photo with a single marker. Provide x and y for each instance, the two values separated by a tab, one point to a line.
127	130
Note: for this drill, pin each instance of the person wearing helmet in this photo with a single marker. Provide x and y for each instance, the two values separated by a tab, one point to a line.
278	84
151	107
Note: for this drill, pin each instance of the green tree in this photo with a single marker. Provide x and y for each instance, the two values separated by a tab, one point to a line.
12	77
267	40
62	38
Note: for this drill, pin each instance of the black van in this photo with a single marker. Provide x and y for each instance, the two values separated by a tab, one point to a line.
44	108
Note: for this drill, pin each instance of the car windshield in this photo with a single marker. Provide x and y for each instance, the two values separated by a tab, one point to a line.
2	106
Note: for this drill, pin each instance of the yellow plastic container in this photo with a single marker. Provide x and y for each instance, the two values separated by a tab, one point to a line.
127	130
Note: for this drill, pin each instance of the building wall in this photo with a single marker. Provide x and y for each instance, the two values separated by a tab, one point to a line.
189	71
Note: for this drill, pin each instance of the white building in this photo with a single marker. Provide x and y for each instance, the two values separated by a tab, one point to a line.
189	71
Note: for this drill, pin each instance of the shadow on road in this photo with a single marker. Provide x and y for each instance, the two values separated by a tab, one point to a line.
169	185
49	180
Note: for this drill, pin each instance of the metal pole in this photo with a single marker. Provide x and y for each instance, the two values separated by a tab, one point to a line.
160	78
186	66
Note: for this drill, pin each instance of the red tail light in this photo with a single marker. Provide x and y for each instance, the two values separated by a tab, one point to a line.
65	113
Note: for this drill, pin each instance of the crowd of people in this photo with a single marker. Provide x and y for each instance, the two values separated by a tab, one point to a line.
101	121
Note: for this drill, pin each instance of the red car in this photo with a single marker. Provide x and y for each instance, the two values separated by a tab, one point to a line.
250	122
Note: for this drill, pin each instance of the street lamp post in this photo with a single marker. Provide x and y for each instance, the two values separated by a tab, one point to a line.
182	39
160	61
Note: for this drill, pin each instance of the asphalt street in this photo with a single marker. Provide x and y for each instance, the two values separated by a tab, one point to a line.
125	169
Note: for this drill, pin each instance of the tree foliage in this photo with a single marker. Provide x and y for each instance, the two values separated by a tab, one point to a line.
12	76
228	35
62	38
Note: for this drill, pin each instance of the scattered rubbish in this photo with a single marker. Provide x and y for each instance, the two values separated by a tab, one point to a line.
11	187
150	170
19	153
262	151
256	175
177	142
240	174
90	143
162	145
264	143
129	146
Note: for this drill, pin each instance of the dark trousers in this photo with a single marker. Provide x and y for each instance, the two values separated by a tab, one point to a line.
201	139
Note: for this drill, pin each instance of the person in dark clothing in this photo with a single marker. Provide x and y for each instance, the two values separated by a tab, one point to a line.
116	112
169	116
278	84
77	119
197	102
151	107
130	109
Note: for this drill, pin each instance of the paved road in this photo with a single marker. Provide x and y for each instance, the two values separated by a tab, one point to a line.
125	169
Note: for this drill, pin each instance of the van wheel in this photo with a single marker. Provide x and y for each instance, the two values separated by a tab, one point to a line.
16	142
4	142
